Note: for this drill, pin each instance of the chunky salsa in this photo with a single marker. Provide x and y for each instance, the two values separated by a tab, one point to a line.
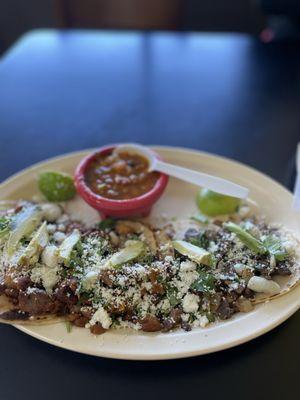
120	176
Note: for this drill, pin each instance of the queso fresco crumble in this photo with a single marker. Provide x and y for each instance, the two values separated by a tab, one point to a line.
129	274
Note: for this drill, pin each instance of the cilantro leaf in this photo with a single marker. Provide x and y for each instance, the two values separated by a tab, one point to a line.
4	226
172	296
205	283
274	247
107	224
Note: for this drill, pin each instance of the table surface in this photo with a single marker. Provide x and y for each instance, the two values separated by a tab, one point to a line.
226	94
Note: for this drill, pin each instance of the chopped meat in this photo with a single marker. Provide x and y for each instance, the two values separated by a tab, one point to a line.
172	321
157	288
106	277
118	309
79	320
72	226
14	315
243	304
65	293
214	302
36	302
11	293
282	269
22	282
265	270
248	293
153	275
186	326
151	324
97	329
2	286
224	311
191	233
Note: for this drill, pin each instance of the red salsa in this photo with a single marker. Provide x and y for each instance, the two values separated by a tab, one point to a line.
120	176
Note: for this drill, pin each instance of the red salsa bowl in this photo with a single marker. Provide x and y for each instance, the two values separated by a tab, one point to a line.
139	206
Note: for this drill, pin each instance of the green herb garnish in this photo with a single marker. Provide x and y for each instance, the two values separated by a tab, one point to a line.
107	224
271	244
205	283
274	247
4	226
172	296
250	241
68	326
200	240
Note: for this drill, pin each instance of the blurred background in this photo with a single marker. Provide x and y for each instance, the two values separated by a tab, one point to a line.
268	19
217	75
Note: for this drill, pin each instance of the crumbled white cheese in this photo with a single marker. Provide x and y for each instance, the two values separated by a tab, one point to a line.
169	259
48	276
187	266
164	305
59	237
89	280
30	290
240	268
213	247
50	256
203	321
200	321
190	303
185	317
102	317
61	227
51	228
289	246
63	218
51	211
128	324
147	286
122	281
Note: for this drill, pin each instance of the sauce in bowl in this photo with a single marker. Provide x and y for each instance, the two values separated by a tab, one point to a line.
120	176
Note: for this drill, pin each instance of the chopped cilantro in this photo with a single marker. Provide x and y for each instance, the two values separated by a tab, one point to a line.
107	224
205	282
274	247
4	226
172	296
210	316
68	326
200	240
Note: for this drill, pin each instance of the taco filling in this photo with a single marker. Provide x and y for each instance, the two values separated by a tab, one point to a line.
130	274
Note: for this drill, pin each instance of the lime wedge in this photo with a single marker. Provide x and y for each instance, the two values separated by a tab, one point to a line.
212	204
56	186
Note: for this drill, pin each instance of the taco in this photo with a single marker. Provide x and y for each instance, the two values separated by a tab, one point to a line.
118	274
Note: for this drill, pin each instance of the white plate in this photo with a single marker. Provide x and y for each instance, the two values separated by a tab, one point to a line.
178	200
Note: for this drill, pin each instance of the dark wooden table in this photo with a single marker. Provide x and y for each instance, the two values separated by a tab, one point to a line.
225	94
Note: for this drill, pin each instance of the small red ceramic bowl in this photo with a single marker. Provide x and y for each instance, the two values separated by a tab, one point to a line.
137	206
